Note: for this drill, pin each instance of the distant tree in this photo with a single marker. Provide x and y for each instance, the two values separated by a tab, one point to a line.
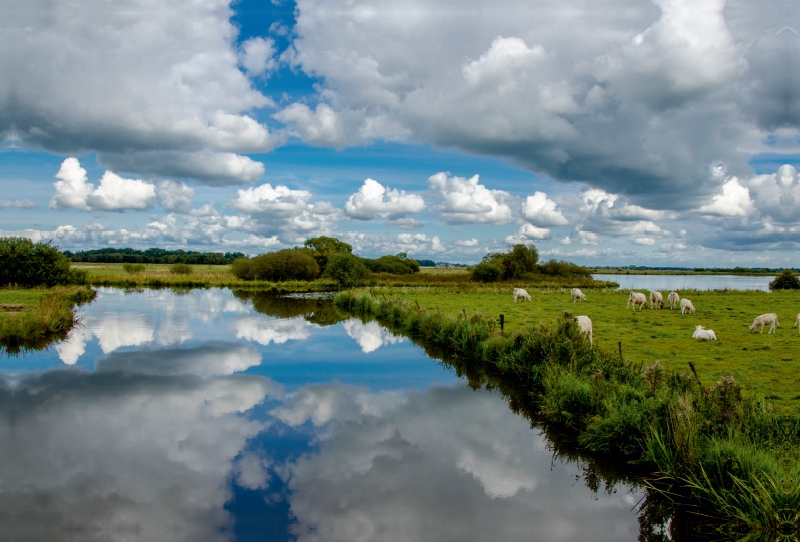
346	269
25	263
324	247
786	280
396	265
486	272
180	269
426	263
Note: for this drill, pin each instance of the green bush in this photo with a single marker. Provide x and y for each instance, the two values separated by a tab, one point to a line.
520	259
560	268
347	270
25	263
486	272
133	268
396	265
286	264
323	247
786	280
180	269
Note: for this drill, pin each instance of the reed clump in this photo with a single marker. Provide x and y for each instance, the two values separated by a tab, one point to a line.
50	321
730	455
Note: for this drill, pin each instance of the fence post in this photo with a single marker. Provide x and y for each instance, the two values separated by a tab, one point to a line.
502	321
619	343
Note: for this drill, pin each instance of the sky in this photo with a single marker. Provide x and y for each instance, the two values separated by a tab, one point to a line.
609	132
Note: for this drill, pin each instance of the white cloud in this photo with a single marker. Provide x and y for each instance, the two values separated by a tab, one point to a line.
20	203
646	241
566	241
528	232
319	127
466	201
266	330
541	211
369	336
174	196
256	56
114	193
373	200
467	243
587	237
734	201
160	89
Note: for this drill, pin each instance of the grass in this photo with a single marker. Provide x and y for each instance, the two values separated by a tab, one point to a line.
50	320
24	296
768	365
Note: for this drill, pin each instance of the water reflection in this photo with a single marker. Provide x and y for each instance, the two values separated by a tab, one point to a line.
205	417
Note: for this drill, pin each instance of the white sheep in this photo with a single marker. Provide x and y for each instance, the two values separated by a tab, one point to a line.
686	305
797	323
520	292
656	300
585	323
577	294
704	334
673	298
636	297
770	318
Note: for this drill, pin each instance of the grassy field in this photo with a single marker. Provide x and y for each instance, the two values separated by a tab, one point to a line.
768	365
27	296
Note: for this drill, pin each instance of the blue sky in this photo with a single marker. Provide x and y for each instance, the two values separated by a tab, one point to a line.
624	132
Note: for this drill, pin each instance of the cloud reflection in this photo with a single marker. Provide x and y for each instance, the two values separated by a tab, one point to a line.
369	336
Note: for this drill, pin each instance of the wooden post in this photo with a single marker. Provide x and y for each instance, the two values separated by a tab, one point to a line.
619	343
384	297
437	309
691	366
417	302
502	321
464	312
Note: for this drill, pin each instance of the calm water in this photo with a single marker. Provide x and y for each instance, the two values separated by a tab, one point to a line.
196	418
687	282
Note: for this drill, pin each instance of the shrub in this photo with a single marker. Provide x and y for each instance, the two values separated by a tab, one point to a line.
786	280
28	264
323	247
286	264
180	269
396	265
133	268
347	270
486	272
520	259
560	268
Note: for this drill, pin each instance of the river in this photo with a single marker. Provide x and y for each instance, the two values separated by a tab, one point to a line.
208	416
687	282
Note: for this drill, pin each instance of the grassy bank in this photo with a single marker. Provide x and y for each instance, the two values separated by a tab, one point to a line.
767	365
703	440
39	324
159	275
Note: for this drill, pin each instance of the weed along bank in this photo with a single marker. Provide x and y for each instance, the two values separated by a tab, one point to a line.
704	439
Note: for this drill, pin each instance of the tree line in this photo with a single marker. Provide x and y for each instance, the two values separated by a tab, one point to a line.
153	255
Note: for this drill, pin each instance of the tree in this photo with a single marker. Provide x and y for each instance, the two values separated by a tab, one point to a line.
486	272
346	269
28	264
786	280
324	247
286	264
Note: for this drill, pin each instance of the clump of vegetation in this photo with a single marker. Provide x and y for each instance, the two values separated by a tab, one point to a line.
347	270
180	269
28	264
786	280
133	268
152	255
323	247
51	320
286	264
520	262
400	264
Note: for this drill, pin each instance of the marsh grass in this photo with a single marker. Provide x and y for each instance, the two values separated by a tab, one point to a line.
729	454
49	321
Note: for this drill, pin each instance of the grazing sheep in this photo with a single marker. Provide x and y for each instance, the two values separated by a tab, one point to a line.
704	334
635	298
520	292
673	298
771	319
797	323
686	305
585	323
656	300
577	294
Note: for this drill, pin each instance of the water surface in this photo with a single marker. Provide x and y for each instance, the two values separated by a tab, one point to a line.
195	417
687	282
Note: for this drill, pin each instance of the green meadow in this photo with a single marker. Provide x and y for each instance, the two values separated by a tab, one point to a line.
767	364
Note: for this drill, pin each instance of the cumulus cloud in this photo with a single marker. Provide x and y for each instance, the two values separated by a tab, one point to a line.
734	201
587	237
373	200
528	232
777	196
175	196
256	56
635	98
114	193
541	211
319	127
161	91
466	201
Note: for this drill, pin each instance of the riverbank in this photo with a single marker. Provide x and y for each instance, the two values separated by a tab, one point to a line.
38	317
702	438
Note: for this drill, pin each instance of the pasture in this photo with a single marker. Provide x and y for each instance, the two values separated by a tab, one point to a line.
768	365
